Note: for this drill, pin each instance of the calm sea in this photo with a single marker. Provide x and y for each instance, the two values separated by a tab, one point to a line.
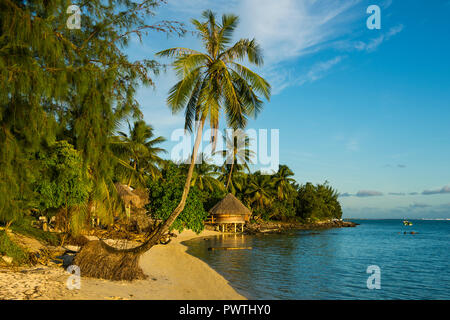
332	264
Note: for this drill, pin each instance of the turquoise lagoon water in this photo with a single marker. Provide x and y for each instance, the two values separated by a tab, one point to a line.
332	264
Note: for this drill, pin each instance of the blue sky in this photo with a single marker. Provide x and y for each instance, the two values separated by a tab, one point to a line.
367	110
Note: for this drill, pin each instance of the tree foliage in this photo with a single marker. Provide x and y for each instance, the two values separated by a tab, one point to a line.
137	153
64	182
67	84
318	202
215	81
165	195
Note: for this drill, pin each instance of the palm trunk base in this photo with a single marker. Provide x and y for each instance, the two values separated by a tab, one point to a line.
97	260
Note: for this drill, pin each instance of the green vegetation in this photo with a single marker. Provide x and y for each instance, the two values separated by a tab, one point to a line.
64	187
318	202
165	195
10	249
25	227
71	89
141	151
66	94
270	197
237	154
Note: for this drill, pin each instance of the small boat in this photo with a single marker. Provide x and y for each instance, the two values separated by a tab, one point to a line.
407	223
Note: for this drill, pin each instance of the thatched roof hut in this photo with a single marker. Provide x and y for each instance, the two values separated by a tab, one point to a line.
130	197
230	210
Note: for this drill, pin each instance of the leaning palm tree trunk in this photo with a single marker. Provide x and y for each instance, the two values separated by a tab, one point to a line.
229	176
99	260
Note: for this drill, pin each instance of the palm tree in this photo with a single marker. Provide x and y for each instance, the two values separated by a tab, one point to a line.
205	176
209	83
237	152
138	151
284	182
260	190
238	181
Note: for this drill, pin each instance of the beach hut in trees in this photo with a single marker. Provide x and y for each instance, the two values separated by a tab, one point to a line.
230	212
132	198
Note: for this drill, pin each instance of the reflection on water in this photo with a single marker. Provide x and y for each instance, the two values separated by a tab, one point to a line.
331	264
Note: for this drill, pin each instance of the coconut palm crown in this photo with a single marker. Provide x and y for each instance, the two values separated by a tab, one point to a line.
216	79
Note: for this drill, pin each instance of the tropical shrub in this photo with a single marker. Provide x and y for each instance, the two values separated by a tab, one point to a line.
165	195
317	202
64	185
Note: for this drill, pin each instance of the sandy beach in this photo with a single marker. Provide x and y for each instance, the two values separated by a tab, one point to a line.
173	274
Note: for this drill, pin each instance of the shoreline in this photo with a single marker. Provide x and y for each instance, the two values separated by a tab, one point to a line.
280	226
173	275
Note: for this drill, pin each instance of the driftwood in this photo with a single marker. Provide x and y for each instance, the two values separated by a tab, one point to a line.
229	248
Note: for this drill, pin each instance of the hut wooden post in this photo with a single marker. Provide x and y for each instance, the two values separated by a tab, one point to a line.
235	227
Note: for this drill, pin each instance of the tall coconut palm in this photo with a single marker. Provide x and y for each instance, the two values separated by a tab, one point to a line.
205	176
238	180
211	82
284	182
138	151
237	152
260	190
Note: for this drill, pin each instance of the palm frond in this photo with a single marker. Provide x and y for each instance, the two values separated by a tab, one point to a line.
257	82
180	93
176	52
244	48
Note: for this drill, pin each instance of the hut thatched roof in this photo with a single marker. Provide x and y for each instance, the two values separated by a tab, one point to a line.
230	205
130	196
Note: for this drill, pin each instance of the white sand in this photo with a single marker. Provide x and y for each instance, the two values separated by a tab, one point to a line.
173	274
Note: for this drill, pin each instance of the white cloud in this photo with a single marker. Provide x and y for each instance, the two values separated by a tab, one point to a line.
443	190
374	43
286	30
386	4
290	29
350	143
281	78
368	193
318	70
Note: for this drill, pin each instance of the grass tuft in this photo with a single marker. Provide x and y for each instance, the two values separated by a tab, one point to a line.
10	249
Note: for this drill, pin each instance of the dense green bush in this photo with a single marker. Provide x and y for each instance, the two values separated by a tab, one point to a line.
165	195
317	202
64	187
64	180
